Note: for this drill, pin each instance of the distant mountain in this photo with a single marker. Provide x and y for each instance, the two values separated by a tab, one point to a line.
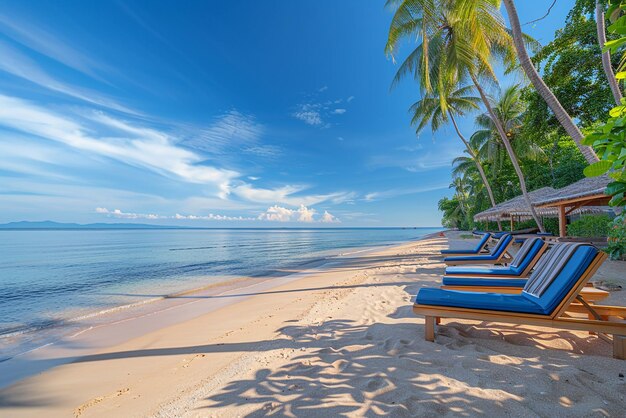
60	225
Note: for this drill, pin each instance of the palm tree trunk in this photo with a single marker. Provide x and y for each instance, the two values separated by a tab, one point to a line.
564	119
479	166
606	56
509	149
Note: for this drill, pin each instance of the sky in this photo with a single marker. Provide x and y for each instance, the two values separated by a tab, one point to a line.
217	114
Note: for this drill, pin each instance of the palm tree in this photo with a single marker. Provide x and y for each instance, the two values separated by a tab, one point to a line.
531	72
606	56
438	109
509	108
457	39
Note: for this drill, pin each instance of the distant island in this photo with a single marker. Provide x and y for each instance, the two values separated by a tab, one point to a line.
61	225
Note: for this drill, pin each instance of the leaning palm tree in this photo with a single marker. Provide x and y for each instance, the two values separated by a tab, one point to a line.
457	39
437	109
544	91
606	55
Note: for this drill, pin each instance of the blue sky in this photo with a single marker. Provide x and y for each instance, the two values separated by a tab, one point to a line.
239	113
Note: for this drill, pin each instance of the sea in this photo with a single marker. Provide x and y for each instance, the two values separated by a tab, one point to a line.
52	281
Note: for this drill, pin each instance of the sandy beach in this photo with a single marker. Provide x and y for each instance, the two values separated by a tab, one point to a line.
337	340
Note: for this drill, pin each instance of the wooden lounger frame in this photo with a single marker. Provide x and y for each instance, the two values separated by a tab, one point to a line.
505	257
600	319
523	275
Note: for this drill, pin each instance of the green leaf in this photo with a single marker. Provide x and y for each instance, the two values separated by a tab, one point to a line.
597	169
614	44
615	188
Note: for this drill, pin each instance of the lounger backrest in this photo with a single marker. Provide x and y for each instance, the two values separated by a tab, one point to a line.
502	245
528	249
483	241
563	266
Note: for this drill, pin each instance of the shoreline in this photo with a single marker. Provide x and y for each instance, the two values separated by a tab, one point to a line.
71	325
156	306
339	340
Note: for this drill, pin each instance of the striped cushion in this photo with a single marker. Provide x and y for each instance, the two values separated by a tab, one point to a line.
549	267
523	251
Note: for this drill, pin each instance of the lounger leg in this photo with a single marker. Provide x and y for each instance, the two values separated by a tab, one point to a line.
437	320
619	347
429	328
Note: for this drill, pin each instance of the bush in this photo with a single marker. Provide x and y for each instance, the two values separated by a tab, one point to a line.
590	226
617	238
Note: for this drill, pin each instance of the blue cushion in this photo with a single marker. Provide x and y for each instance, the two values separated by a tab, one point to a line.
563	283
532	253
477	300
486	271
476	250
483	281
523	303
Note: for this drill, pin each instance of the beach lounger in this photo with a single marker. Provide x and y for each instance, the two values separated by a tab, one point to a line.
551	298
498	255
520	267
480	248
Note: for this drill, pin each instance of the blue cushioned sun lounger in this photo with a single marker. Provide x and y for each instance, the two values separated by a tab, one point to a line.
496	256
521	265
479	248
550	298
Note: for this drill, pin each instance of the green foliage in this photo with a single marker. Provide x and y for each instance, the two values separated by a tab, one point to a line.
617	238
571	66
589	226
609	141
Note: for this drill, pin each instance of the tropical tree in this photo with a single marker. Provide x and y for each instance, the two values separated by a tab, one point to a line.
457	39
439	108
531	72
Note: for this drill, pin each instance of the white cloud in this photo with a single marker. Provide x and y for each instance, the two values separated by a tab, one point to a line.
227	133
349	99
116	213
265	151
340	138
18	64
323	89
145	148
315	113
45	43
309	114
302	214
285	195
328	218
211	217
370	197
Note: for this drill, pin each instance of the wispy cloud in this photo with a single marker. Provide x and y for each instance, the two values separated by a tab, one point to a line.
48	44
387	194
145	148
309	113
316	111
419	157
225	134
288	195
302	214
18	64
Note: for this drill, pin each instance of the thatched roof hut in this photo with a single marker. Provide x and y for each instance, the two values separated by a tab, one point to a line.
584	196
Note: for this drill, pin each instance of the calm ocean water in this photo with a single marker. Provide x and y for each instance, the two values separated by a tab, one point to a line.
48	277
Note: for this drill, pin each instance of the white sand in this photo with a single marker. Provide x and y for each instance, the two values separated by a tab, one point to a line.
342	341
